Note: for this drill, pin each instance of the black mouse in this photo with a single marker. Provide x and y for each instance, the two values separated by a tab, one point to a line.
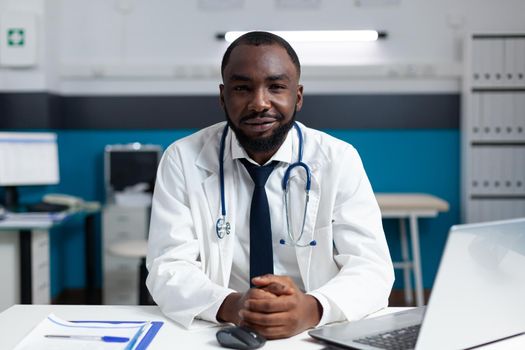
237	337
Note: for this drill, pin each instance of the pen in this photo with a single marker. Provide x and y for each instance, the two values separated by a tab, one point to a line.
107	339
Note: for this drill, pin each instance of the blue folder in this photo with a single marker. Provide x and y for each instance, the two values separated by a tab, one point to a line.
148	337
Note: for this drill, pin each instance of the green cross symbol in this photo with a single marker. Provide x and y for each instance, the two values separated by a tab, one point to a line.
15	37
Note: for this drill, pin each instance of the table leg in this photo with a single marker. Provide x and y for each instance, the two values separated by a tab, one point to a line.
89	241
143	291
407	265
416	258
26	288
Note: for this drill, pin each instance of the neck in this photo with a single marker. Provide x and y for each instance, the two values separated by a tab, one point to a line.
261	157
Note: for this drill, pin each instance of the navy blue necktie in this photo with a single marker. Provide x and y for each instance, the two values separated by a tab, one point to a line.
261	250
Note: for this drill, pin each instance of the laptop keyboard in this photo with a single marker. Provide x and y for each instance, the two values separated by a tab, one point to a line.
399	339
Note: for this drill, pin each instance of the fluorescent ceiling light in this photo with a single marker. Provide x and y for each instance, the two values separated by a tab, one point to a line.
316	35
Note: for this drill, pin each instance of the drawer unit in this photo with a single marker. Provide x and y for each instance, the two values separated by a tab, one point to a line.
121	274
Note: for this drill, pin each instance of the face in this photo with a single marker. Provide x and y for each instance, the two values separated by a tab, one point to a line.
260	96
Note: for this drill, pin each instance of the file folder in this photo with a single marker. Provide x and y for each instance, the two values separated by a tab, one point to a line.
53	332
146	339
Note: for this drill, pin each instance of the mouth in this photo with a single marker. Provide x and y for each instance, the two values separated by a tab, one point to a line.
259	124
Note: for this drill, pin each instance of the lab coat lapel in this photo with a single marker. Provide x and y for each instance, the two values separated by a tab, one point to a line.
220	249
304	254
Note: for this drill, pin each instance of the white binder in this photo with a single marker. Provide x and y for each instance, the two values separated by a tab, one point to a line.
496	62
485	62
520	65
478	63
519	116
511	71
486	111
474	122
519	160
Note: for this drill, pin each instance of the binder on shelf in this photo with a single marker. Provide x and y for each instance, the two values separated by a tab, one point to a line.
506	175
496	116
484	57
478	176
478	68
520	65
519	116
486	111
505	116
510	66
474	122
519	160
510	122
496	62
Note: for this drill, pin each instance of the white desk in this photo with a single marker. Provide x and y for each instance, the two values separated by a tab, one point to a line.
31	238
410	206
18	320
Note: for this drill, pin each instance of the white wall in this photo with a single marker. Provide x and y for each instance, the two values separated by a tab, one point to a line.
167	46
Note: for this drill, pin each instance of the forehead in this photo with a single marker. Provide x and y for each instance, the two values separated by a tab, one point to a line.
262	60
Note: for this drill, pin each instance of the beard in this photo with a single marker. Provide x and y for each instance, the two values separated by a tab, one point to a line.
261	144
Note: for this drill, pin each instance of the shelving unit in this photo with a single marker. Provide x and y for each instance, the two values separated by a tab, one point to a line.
493	127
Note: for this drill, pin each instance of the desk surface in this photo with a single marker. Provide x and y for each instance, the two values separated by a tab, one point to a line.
410	201
40	220
18	320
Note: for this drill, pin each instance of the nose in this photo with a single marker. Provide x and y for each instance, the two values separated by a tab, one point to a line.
260	101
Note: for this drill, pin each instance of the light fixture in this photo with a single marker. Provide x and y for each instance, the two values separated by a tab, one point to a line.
316	35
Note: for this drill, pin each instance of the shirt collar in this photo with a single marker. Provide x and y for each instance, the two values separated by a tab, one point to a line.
284	153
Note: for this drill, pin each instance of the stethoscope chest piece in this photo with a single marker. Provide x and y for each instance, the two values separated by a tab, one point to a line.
222	227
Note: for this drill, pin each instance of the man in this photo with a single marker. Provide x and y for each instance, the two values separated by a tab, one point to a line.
328	258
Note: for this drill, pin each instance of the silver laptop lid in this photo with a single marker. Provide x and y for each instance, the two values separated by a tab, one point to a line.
479	291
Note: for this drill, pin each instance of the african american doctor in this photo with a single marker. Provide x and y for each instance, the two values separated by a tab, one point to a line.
298	248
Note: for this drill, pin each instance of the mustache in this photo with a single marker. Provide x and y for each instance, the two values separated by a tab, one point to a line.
256	115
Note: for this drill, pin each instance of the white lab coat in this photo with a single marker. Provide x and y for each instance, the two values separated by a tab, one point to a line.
189	267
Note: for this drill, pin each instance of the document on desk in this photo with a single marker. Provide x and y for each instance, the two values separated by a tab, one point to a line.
57	334
32	219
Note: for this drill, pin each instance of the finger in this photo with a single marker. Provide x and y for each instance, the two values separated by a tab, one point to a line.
280	304
263	319
272	332
259	293
262	281
278	289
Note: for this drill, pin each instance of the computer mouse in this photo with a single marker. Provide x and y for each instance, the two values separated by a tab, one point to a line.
237	337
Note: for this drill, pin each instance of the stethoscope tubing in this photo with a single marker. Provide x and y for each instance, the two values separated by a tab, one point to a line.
222	227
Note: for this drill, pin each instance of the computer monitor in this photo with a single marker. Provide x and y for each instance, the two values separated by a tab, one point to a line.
27	158
128	165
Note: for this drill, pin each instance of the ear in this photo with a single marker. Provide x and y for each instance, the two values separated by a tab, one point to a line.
299	98
221	94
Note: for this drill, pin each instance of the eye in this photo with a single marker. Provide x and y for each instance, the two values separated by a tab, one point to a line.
240	88
277	87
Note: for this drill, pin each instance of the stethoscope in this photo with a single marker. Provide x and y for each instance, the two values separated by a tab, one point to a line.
223	227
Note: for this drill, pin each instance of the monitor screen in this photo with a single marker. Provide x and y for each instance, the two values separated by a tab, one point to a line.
127	167
28	159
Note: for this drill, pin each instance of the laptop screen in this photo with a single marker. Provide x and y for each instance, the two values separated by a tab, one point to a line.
478	294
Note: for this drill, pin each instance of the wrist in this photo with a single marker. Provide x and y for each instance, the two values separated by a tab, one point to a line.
315	311
229	310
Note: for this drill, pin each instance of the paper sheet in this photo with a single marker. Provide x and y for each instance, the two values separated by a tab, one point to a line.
54	325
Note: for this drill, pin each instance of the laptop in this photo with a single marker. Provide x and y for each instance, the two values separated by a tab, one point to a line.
478	297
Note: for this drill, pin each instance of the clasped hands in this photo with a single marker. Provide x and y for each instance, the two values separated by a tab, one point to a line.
275	308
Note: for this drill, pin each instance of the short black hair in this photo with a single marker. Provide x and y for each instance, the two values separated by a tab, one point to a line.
258	38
